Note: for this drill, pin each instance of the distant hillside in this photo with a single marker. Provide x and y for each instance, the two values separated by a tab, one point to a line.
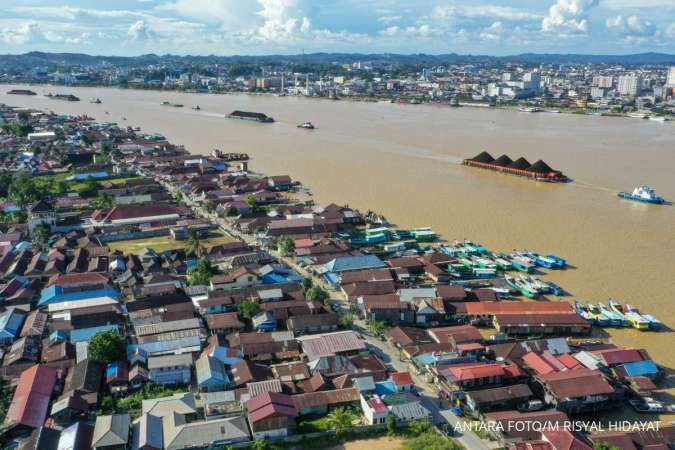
41	59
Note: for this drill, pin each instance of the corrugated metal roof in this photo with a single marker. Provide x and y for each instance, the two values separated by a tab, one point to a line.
31	398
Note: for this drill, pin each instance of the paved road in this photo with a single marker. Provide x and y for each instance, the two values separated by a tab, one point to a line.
386	352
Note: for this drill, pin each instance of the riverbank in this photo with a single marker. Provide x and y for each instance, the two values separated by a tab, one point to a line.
368	99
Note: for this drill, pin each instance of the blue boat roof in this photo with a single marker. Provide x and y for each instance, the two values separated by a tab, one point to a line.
638	368
55	294
359	262
84	334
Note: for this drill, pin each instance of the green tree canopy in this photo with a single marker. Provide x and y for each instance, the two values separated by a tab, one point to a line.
194	243
106	346
377	327
286	246
201	273
347	321
248	308
317	293
340	419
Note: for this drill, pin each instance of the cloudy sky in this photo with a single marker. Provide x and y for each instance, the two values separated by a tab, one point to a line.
224	27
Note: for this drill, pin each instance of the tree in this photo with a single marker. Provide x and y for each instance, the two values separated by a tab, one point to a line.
347	321
391	424
194	243
103	201
286	246
317	293
89	188
40	238
307	283
210	207
340	419
202	273
231	211
248	308
604	446
259	444
251	201
23	190
417	427
106	346
377	327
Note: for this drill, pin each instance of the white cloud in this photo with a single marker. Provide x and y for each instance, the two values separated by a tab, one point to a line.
140	31
670	31
631	26
484	11
494	32
28	33
568	17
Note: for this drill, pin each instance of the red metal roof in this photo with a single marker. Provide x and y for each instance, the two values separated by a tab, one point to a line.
577	383
537	363
476	371
401	378
620	356
569	361
31	398
270	404
77	278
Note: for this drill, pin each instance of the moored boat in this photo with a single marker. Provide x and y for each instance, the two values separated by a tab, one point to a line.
583	312
597	315
643	193
647	405
615	319
652	323
522	264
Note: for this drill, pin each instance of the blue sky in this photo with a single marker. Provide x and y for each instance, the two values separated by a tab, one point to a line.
225	27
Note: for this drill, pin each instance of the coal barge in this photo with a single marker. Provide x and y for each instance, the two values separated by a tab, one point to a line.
252	116
539	171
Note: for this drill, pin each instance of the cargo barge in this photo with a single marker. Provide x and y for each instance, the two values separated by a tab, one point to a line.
21	92
252	116
539	171
66	97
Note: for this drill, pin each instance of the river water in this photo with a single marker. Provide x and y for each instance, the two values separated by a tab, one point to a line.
404	161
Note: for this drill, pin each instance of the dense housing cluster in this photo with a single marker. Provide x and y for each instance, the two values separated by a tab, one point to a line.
155	299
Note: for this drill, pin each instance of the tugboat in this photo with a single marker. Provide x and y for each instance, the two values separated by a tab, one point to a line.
95	100
644	194
196	108
306	125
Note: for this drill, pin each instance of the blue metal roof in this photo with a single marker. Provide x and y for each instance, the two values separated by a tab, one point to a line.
360	262
210	371
10	323
638	368
385	387
84	334
55	294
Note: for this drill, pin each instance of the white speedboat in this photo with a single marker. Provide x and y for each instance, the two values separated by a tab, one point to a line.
306	125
